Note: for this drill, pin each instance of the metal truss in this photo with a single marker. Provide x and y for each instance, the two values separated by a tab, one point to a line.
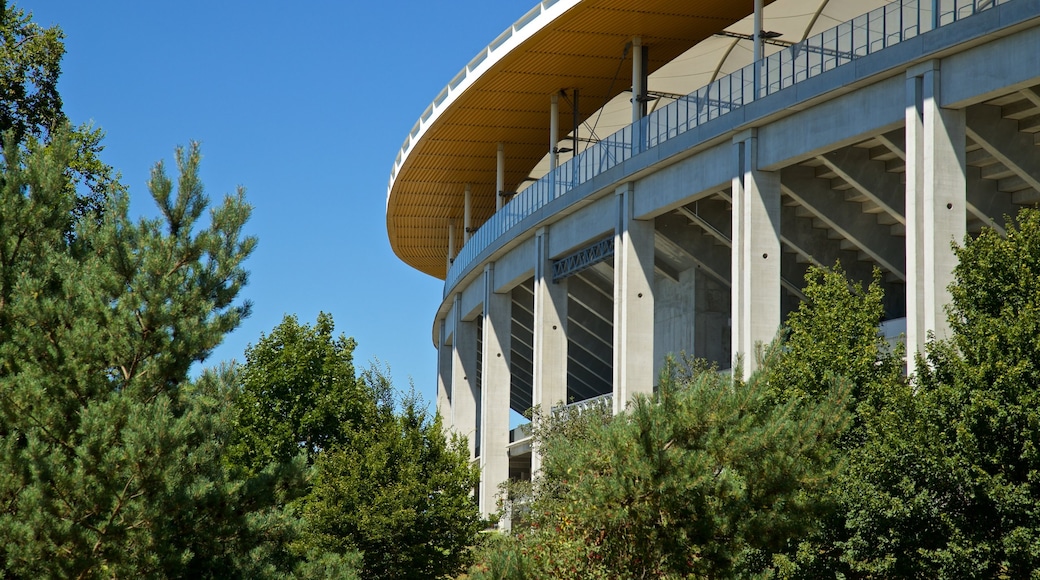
582	259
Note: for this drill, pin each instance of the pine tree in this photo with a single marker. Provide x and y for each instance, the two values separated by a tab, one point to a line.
109	465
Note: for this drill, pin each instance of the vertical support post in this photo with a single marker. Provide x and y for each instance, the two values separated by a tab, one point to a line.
633	301
758	48
467	213
639	76
554	134
500	176
936	205
464	377
576	119
638	81
495	379
451	246
549	381
756	252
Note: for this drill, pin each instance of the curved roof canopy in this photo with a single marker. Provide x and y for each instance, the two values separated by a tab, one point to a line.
503	96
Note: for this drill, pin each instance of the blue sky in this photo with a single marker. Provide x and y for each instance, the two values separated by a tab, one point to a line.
305	104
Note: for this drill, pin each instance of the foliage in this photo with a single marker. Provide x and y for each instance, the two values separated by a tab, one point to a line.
30	66
298	393
708	479
109	466
949	487
834	333
399	492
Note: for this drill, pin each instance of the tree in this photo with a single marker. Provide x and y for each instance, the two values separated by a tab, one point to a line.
31	106
399	492
384	480
707	479
299	393
109	464
949	486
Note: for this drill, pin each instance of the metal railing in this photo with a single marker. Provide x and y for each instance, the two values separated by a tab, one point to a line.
869	33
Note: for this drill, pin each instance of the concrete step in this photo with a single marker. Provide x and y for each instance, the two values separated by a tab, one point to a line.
1025	197
1029	124
886	219
979	157
1019	109
996	171
1013	184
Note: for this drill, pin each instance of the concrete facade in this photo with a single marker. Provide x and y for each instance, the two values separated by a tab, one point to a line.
700	244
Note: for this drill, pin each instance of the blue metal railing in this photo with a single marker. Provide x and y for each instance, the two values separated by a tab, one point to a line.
879	29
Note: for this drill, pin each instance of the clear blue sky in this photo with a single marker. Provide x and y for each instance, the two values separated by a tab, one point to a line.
305	104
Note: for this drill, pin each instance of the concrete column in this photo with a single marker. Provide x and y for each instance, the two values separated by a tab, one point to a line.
467	214
494	424
444	364
756	252
554	133
549	381
674	317
633	302
935	205
464	377
500	176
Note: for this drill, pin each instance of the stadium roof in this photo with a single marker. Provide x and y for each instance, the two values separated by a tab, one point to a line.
503	95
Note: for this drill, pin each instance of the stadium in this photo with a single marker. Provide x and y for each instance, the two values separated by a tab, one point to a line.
611	181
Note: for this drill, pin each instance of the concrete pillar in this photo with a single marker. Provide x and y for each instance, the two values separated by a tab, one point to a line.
633	302
756	252
464	377
935	205
549	377
554	133
674	317
467	214
500	176
494	400
444	364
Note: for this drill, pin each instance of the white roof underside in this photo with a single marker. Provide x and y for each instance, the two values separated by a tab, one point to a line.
712	58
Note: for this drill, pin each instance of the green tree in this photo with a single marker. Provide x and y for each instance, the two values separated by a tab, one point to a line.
31	106
109	465
299	393
399	492
949	488
384	480
709	478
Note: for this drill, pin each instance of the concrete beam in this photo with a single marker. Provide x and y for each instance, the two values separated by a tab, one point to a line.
854	165
985	201
801	184
1001	138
